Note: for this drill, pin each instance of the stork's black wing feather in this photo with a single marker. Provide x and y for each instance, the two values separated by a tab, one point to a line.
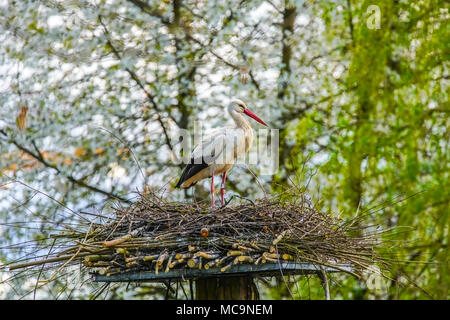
191	170
208	150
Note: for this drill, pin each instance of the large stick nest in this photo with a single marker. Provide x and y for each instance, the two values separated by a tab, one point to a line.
152	234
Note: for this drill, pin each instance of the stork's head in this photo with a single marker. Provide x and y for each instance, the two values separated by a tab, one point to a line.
240	107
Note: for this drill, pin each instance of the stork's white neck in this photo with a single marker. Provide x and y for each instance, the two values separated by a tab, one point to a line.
243	124
239	120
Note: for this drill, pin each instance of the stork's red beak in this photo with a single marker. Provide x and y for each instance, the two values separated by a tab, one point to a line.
254	116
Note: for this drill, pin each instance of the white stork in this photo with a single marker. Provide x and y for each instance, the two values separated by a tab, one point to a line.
218	151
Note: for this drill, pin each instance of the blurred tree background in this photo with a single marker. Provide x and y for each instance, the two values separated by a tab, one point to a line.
358	90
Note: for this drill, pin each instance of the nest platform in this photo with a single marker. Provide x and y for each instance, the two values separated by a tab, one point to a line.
154	240
268	269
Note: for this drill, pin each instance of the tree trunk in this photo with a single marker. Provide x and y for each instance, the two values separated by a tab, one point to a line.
226	288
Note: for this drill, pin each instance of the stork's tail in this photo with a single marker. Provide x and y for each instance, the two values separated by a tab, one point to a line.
180	182
189	171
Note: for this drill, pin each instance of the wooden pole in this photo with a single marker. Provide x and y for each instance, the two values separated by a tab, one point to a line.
226	288
324	280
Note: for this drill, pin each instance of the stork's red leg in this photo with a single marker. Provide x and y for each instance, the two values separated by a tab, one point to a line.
222	188
212	192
